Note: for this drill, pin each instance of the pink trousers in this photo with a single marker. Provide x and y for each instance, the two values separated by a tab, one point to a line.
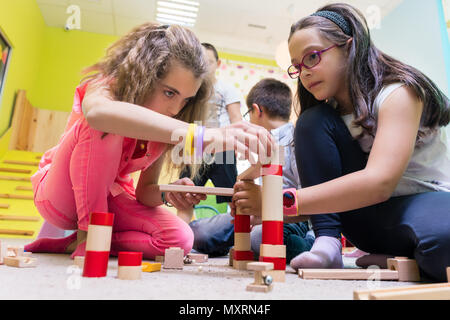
78	182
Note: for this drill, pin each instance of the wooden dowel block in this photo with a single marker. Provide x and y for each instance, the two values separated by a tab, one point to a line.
10	178
198	190
24	188
15	196
15	170
24	163
348	274
198	257
20	262
18	218
129	272
260	266
17	232
4	205
275	251
436	291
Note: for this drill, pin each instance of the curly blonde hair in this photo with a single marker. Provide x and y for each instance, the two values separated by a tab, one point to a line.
139	60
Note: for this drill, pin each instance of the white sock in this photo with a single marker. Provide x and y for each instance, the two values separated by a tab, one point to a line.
325	254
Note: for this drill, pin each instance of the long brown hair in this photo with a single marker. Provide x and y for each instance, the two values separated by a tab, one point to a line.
369	69
135	63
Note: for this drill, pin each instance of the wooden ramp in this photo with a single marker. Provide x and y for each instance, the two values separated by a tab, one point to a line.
19	217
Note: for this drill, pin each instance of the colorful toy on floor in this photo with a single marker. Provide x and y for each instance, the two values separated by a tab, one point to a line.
129	265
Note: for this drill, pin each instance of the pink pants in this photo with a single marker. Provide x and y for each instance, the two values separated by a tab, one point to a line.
78	182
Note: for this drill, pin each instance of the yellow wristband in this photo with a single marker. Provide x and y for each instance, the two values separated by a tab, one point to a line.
189	144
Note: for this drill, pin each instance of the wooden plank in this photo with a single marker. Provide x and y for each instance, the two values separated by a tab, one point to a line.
18	218
19	126
28	179
196	189
24	163
48	128
15	170
4	205
24	188
17	232
348	274
438	291
15	196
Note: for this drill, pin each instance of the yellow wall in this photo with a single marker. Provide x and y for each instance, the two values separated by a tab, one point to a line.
22	23
65	54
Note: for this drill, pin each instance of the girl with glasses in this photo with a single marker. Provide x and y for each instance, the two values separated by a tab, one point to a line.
371	147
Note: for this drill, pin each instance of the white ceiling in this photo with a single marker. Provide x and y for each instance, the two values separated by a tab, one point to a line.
224	23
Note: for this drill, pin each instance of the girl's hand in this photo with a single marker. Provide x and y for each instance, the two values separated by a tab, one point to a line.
243	137
247	197
184	200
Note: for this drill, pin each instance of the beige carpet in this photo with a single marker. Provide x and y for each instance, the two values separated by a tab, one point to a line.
56	278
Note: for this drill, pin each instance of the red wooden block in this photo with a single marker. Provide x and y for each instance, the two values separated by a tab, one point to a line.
272	232
242	255
278	263
241	223
95	264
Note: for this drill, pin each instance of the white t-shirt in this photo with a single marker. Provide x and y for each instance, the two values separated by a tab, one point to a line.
429	166
225	94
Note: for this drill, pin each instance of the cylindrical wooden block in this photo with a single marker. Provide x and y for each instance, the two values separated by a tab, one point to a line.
130	258
243	255
275	251
98	238
278	263
272	232
272	198
98	244
242	241
241	223
129	272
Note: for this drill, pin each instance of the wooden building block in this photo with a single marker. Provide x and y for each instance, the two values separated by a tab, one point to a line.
20	262
438	291
241	264
242	241
259	287
448	274
159	259
277	275
272	198
199	190
15	251
260	266
270	250
173	258
230	257
407	268
79	261
3	251
151	267
4	206
198	257
347	274
129	272
15	170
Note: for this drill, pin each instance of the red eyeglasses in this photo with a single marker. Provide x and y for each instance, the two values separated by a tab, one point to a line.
309	61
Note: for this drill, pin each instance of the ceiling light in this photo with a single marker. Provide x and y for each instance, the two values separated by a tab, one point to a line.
182	12
177	12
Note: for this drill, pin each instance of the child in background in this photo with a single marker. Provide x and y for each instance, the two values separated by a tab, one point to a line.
371	147
225	109
151	84
269	103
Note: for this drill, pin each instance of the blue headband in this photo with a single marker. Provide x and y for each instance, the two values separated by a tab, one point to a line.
337	19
